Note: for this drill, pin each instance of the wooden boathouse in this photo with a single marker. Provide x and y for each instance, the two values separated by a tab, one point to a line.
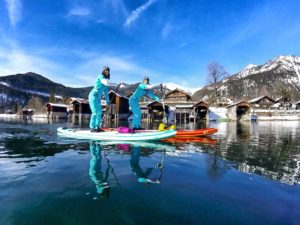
239	110
262	102
119	106
78	108
56	111
181	102
118	109
201	110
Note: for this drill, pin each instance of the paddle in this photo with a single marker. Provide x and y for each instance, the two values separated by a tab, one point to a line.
165	121
160	166
112	169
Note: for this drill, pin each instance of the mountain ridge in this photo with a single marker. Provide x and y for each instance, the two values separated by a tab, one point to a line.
282	72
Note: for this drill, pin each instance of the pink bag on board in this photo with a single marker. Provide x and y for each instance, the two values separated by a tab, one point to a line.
125	130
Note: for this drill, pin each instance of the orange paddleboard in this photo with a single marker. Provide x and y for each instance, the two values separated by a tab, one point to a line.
196	133
204	140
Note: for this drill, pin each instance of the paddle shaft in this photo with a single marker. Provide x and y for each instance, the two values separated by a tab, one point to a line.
163	104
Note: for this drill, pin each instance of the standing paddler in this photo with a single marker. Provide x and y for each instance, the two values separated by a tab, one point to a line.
100	88
143	89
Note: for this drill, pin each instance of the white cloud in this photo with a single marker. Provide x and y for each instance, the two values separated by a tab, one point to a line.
135	14
118	5
122	69
15	60
79	11
166	31
14	11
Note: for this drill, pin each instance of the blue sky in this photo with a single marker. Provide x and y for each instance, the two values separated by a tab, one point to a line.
171	41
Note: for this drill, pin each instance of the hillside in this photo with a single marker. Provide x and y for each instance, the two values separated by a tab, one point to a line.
16	90
269	79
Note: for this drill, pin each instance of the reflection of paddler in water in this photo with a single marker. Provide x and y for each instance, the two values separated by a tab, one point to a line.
143	176
98	177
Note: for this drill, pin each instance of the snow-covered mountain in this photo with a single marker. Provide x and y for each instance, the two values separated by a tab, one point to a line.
279	64
172	86
280	73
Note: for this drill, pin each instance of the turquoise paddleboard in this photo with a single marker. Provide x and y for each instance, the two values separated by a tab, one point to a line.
114	135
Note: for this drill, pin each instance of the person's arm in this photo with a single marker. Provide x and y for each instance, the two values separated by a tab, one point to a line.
153	96
105	92
149	93
104	83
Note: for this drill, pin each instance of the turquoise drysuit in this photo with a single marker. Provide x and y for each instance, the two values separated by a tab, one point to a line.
143	89
95	95
97	176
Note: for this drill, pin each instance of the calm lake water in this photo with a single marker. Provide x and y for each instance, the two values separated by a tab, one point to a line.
247	173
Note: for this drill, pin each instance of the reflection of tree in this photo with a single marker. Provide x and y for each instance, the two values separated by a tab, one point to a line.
216	166
31	149
243	131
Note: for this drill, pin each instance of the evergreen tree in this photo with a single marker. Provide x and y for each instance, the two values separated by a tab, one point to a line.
52	97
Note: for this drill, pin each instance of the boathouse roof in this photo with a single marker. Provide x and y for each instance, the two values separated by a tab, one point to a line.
56	105
79	100
257	100
201	103
240	103
179	90
118	94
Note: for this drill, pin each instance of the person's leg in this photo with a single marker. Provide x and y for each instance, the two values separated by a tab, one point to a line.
135	108
92	102
99	115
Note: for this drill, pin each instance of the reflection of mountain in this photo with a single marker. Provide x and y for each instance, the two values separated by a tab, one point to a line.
30	149
269	149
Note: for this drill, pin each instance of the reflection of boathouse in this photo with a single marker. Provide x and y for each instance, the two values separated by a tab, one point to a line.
55	111
26	112
238	110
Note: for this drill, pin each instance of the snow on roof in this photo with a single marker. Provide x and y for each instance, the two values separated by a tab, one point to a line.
56	104
259	98
276	105
237	103
112	91
180	90
184	106
256	99
80	100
